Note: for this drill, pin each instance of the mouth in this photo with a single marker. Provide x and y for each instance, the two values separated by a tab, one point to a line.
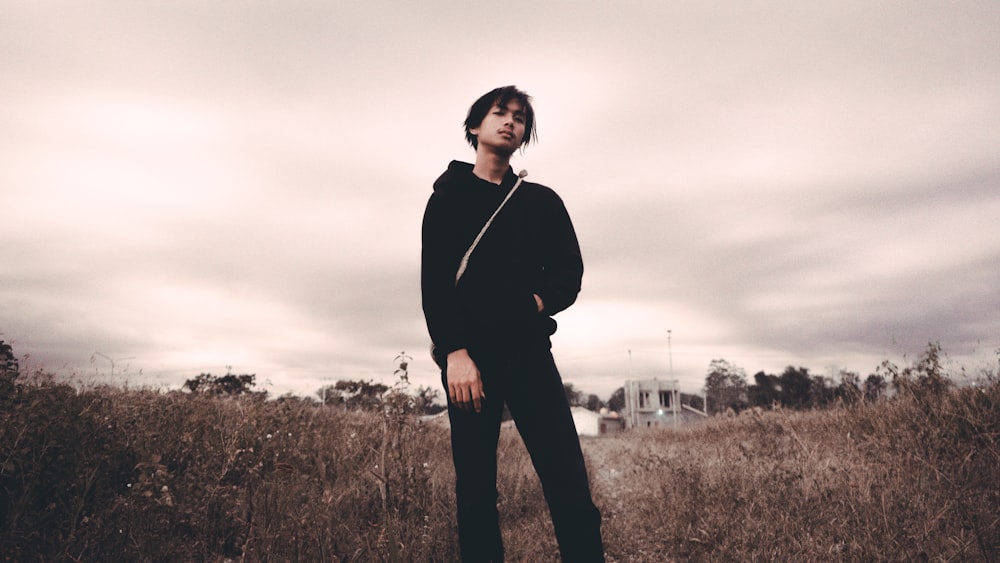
506	133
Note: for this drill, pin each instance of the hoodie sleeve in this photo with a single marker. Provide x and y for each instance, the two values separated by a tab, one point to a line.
438	263
562	273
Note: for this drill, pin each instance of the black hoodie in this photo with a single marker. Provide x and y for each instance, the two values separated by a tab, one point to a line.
530	248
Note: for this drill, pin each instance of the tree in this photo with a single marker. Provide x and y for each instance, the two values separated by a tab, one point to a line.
725	387
371	396
426	400
765	391
575	397
360	395
822	392
578	398
875	386
694	401
228	385
616	402
849	389
796	387
330	396
9	369
594	403
8	361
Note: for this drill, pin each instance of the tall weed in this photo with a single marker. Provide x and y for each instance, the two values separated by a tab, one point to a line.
133	475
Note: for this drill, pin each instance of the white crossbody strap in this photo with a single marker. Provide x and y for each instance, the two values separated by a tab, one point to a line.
465	259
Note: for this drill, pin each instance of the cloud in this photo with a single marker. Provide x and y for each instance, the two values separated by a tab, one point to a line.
202	185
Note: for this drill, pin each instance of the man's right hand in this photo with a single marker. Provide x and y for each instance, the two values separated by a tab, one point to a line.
465	387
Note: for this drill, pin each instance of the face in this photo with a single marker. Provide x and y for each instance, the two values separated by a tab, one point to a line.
502	129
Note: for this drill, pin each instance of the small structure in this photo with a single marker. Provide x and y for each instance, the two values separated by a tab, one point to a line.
652	403
611	422
590	423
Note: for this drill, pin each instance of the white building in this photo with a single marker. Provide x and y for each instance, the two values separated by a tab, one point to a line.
590	423
652	403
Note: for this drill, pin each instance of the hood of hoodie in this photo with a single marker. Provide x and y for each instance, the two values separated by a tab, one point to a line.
460	173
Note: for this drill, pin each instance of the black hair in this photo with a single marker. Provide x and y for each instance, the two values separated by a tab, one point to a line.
501	97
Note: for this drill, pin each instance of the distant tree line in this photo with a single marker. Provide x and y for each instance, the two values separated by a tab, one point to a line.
370	396
726	387
578	398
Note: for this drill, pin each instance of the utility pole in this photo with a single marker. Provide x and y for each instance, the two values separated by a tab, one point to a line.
670	354
630	402
675	407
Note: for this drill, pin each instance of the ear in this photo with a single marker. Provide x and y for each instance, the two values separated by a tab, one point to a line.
474	131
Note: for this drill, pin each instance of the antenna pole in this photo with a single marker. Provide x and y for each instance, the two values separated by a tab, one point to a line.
670	354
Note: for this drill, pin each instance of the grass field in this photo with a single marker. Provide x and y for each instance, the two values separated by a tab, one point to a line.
107	474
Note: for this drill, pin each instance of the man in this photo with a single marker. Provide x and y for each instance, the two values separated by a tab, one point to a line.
490	329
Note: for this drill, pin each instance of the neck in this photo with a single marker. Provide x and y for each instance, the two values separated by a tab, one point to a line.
491	166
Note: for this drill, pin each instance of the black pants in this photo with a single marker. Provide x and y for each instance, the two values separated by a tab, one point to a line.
529	383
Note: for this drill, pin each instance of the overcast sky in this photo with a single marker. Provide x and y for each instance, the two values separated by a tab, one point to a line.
186	186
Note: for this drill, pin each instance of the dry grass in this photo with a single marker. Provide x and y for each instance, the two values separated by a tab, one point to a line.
911	479
109	474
